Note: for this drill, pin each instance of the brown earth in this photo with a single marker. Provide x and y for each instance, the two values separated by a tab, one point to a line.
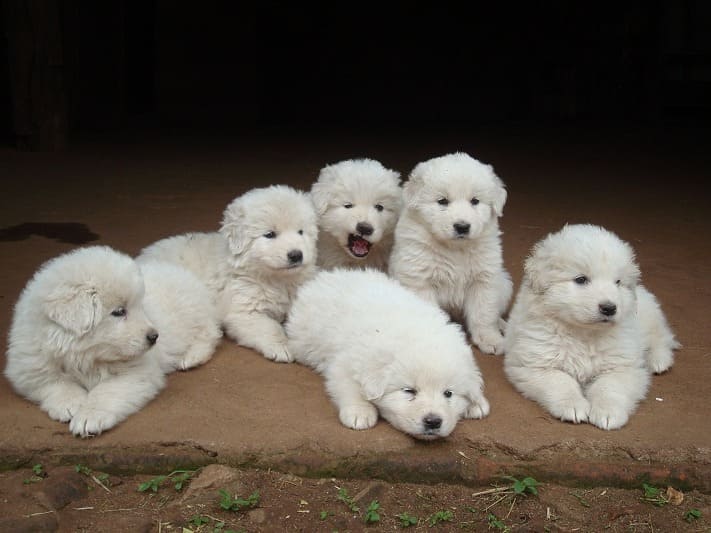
651	187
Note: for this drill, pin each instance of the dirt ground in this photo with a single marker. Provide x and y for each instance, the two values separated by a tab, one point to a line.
89	501
650	187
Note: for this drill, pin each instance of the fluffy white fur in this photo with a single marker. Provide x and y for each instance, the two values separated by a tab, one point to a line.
448	247
264	250
358	202
383	349
184	313
584	334
80	341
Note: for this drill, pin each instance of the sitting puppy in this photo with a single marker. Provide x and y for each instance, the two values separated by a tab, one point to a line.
583	334
81	345
264	250
447	243
358	202
382	348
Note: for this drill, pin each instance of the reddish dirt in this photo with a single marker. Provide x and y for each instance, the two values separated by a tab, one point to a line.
291	503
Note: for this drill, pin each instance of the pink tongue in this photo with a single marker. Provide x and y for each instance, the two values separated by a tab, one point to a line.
360	247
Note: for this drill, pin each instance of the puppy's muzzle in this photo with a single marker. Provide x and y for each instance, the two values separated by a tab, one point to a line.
295	257
462	228
152	337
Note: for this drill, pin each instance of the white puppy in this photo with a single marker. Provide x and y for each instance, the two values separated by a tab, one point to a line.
448	246
358	202
264	250
80	341
184	312
382	348
583	334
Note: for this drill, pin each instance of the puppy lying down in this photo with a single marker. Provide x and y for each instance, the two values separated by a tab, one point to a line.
382	349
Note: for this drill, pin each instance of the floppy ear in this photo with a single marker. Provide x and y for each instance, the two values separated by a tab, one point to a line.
412	187
319	198
75	308
535	273
499	193
375	381
233	227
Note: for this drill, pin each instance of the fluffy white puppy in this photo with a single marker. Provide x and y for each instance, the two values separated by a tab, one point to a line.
265	249
358	202
80	341
448	247
583	334
383	349
184	313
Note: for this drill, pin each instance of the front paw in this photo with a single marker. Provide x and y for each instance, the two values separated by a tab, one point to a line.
359	416
478	409
65	406
489	341
660	360
278	352
90	421
607	416
576	410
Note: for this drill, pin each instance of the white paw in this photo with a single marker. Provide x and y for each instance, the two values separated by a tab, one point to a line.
575	410
660	360
279	353
63	407
489	341
192	360
607	416
478	409
359	416
90	421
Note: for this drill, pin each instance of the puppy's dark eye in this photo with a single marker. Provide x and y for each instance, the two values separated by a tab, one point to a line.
270	234
408	390
119	311
348	205
581	280
474	201
443	201
448	394
617	282
301	232
379	207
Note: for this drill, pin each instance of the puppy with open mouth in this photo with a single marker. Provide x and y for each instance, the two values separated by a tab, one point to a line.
358	202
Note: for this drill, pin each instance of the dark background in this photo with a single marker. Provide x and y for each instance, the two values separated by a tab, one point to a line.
75	67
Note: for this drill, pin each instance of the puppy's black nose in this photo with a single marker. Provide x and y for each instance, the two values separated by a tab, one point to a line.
462	228
152	337
608	309
364	228
295	256
432	422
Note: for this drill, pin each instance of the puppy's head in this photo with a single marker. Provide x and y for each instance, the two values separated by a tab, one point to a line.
271	228
455	196
358	202
93	298
427	387
584	275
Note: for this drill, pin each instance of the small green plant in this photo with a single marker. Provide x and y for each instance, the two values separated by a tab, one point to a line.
38	474
345	498
523	486
654	495
407	520
81	469
198	520
324	514
234	503
496	523
178	477
692	514
581	499
371	513
440	516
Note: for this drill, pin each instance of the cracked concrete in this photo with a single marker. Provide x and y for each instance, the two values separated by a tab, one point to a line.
240	409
